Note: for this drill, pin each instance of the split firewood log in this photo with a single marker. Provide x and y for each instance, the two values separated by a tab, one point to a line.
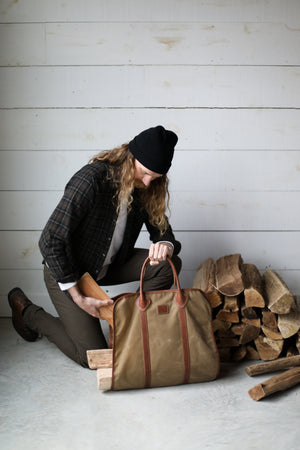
255	322
253	291
228	316
239	353
280	382
269	319
220	325
250	333
104	379
273	366
268	349
280	300
271	333
238	328
225	334
252	353
205	280
229	276
248	311
231	304
99	359
289	324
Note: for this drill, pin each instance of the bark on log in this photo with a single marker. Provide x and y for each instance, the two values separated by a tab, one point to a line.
253	291
90	288
289	324
205	280
229	276
277	383
268	349
280	300
99	359
273	366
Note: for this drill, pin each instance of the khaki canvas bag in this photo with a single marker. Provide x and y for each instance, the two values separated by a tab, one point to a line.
162	338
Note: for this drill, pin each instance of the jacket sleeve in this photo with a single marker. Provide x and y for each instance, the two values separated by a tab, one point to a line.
55	241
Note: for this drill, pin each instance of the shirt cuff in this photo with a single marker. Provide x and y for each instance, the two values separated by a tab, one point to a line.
66	286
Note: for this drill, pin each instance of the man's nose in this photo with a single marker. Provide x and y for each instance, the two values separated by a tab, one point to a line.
147	180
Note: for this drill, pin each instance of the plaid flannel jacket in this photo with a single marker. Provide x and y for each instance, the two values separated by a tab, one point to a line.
77	235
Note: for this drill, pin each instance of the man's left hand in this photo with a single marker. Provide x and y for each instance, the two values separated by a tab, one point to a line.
159	252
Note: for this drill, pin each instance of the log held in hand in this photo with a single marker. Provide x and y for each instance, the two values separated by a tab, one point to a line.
90	288
280	382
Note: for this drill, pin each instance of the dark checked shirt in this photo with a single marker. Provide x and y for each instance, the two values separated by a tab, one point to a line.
78	234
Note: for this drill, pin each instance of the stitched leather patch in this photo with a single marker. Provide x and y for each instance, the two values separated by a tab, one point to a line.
163	309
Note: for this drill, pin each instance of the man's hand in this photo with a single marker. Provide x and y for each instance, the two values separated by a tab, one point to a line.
89	304
159	252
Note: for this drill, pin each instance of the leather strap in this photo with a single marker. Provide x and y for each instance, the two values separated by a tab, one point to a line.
143	303
146	348
185	344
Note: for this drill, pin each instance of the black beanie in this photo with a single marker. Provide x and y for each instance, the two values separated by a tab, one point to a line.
154	148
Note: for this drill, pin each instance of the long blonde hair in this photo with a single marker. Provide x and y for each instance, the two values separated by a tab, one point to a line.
155	198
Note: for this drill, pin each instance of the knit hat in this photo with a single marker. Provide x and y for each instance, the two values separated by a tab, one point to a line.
154	148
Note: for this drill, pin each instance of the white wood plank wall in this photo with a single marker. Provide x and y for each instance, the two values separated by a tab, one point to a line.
78	76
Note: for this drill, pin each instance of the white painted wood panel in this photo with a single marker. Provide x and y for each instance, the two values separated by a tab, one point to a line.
280	250
191	171
149	43
148	86
193	211
197	129
143	10
17	42
31	281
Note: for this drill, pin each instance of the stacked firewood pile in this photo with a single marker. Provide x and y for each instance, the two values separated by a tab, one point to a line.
254	316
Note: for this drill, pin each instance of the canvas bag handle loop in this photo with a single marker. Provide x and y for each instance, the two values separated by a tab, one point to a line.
180	298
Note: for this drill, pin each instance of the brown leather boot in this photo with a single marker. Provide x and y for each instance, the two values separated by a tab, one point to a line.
18	302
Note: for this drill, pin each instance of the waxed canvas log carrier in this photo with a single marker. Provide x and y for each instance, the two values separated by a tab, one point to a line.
162	338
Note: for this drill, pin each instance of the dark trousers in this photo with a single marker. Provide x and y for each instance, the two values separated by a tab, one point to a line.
74	331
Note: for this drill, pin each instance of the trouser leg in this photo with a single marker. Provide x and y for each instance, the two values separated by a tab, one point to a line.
157	277
73	332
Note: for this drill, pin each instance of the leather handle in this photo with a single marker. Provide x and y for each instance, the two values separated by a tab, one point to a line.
143	302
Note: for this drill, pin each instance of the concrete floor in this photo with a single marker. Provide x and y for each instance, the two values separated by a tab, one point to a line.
49	402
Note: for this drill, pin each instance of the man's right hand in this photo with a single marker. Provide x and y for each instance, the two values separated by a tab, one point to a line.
89	304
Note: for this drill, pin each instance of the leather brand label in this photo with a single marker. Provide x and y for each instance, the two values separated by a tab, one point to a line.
163	309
